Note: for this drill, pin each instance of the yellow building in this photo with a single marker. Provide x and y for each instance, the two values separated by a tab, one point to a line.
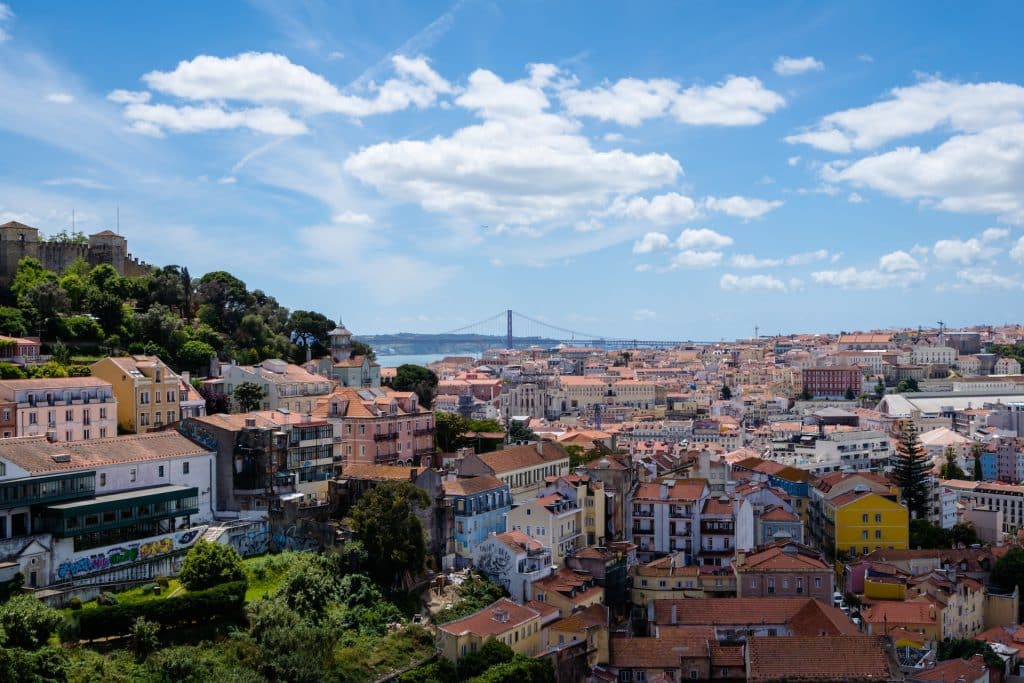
863	521
567	515
588	625
515	625
146	391
665	579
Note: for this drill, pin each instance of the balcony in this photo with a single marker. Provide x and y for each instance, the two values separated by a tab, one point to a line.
423	432
393	436
643	511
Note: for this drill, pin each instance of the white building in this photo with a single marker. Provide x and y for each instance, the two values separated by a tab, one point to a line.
513	560
933	355
1005	498
838	451
286	386
101	510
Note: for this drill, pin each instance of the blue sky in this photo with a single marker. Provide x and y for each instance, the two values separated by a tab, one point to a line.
638	169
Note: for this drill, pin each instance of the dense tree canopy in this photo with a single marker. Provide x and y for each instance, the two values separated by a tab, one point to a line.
416	378
248	396
385	522
210	564
910	471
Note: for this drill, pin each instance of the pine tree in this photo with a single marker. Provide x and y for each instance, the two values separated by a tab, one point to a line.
910	470
976	452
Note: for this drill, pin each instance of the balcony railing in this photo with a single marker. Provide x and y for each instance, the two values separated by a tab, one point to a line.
393	436
423	432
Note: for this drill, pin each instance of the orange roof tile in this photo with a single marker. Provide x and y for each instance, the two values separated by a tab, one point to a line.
843	658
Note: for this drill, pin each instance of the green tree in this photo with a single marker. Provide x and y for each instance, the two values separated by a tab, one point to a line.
805	395
474	594
11	371
145	638
880	389
907	386
1008	571
725	393
248	396
60	352
518	432
362	349
210	564
521	669
195	356
950	469
48	369
491	653
311	585
448	430
849	395
910	470
976	453
27	622
418	379
385	521
309	329
12	322
965	648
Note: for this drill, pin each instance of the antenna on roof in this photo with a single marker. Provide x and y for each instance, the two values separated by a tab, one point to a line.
118	228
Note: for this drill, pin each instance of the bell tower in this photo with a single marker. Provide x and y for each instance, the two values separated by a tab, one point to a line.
341	342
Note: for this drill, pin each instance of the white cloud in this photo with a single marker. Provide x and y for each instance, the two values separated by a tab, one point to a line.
690	258
351	218
994	234
642	267
807	257
964	252
521	164
852	278
60	98
644	314
1017	252
730	282
897	261
742	207
662	209
614	137
335	55
866	58
793	161
652	241
962	107
154	119
854	198
737	101
128	96
749	261
87	183
702	238
792	66
981	277
5	16
264	77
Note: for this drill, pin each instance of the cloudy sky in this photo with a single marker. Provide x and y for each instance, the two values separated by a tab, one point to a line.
654	170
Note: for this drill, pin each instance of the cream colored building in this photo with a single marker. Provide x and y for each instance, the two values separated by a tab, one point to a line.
524	468
146	390
285	385
515	625
566	516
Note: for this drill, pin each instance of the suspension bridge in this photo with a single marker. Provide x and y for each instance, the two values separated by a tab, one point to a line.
512	330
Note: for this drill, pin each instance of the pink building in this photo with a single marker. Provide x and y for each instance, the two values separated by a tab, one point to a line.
784	570
19	351
378	425
62	408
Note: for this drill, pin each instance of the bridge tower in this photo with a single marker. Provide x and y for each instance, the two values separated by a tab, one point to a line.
508	333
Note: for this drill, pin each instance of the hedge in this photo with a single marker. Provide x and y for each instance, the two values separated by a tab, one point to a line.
220	602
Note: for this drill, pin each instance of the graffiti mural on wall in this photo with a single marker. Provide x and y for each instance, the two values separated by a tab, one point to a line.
199	434
122	555
291	539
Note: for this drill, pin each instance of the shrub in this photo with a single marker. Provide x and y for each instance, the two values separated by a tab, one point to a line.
209	564
27	622
106	598
221	602
76	603
144	637
163	582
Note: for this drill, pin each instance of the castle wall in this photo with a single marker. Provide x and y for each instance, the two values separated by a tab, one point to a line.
15	244
59	256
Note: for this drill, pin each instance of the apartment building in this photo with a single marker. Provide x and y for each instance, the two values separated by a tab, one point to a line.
479	505
860	521
514	561
286	386
823	453
663	515
378	425
524	468
515	625
1007	499
566	516
831	382
146	390
726	527
59	408
784	569
103	509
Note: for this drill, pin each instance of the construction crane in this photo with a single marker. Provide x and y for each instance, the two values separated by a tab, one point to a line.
942	333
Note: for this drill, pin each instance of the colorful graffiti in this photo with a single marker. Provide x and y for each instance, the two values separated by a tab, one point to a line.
289	540
123	555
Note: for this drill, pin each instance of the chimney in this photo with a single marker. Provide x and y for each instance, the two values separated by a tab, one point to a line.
540	447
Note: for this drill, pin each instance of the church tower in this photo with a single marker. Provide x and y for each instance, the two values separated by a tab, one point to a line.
341	342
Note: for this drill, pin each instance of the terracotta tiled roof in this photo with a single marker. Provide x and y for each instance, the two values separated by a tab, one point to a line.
56	383
954	670
377	472
467	486
682	489
520	457
900	612
518	541
498	617
776	558
822	658
35	454
773	513
745	611
589	617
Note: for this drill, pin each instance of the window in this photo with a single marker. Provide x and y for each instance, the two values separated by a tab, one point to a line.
86	434
170	416
103	478
160	471
103	432
32	419
864	518
864	535
132	474
103	413
878	534
184	467
144	398
878	518
144	420
817	582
